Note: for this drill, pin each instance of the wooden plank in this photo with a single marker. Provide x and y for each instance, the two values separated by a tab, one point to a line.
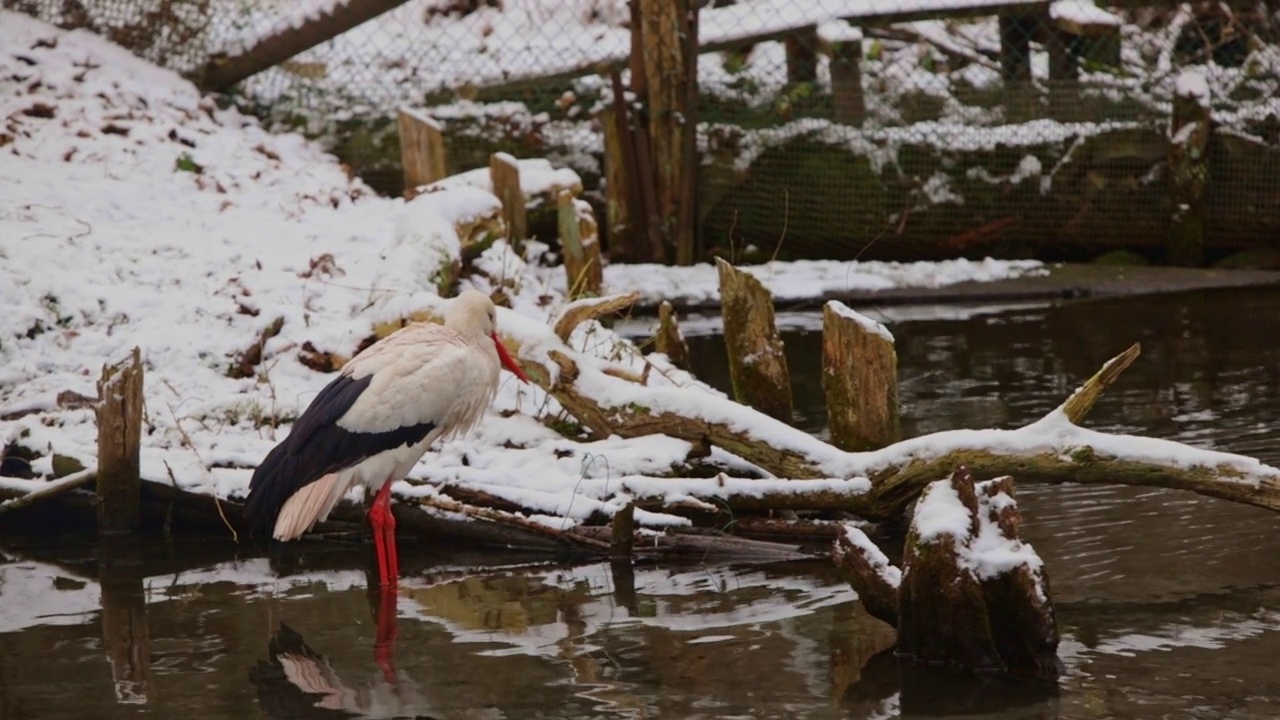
619	195
222	71
119	416
504	173
581	248
421	149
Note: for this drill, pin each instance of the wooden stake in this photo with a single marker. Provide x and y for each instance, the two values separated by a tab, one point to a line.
504	173
1189	135
802	55
119	440
757	364
669	341
421	150
846	82
668	63
860	377
581	249
618	190
623	532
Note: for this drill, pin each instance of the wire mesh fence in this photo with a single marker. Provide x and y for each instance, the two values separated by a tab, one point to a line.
824	128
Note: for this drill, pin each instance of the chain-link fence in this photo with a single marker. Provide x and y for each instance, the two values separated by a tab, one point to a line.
882	128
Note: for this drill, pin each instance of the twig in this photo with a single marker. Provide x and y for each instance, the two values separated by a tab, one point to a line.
186	439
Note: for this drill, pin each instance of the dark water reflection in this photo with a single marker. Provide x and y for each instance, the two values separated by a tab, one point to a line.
1169	603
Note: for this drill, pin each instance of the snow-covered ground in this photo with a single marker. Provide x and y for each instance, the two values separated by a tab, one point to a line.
133	212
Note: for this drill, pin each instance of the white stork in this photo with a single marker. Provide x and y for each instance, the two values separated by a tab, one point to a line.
374	422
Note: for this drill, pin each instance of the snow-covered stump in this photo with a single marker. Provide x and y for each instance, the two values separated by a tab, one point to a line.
1189	135
119	416
860	377
669	341
580	244
868	570
504	174
421	150
972	594
757	364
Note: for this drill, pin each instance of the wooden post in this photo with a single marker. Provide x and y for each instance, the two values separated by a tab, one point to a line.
757	364
1015	66
669	341
618	190
421	149
125	635
1189	135
845	52
581	247
119	439
802	56
860	377
622	532
670	57
1064	70
504	173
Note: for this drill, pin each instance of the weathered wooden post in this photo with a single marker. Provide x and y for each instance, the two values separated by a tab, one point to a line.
1189	135
670	30
421	149
504	173
845	50
1015	64
669	341
757	363
622	532
802	56
581	246
860	377
619	192
119	485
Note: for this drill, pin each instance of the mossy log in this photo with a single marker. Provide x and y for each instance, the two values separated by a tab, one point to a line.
757	364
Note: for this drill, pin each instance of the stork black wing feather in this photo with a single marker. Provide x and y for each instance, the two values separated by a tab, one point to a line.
316	446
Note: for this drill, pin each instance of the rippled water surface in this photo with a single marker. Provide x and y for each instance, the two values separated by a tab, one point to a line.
1169	603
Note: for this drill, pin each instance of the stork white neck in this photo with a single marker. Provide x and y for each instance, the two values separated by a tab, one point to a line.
471	315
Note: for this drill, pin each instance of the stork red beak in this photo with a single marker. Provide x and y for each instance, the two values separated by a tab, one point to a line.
507	361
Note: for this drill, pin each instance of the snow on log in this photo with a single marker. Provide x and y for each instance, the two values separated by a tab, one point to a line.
972	594
868	570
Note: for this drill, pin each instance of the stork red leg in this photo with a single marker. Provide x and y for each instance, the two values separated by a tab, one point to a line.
384	644
384	536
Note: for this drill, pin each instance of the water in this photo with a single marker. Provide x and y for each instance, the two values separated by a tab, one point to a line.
1169	603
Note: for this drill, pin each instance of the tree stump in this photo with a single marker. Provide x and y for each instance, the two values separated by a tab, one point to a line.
669	341
119	415
971	594
860	377
581	246
757	364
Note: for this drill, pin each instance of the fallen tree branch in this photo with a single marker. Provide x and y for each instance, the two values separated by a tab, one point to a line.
580	311
53	489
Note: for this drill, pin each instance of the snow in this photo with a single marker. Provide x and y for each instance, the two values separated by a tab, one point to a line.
940	512
800	279
537	178
1193	84
878	560
1082	12
135	213
867	324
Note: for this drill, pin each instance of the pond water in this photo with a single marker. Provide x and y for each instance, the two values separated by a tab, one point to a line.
1169	603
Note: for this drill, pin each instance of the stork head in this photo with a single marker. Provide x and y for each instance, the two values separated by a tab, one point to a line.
473	313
